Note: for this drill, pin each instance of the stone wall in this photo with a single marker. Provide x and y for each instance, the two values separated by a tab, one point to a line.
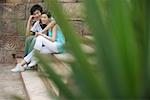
74	9
11	41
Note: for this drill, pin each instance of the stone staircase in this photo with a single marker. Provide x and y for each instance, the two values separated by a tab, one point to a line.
41	88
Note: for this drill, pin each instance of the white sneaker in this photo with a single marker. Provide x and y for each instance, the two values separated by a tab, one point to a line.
18	68
26	67
32	63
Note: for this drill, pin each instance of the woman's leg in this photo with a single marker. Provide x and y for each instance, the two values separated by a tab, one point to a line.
28	58
51	46
20	66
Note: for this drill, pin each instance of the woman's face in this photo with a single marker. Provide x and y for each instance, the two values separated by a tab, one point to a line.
37	14
44	19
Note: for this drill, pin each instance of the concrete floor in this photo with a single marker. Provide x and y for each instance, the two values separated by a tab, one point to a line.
10	83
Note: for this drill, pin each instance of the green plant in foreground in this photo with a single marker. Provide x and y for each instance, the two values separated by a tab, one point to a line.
122	51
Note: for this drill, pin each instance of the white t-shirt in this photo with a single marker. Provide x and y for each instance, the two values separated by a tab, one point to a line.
36	27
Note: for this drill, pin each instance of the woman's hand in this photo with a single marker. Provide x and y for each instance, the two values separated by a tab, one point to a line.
38	33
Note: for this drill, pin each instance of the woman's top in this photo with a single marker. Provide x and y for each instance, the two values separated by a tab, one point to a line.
60	39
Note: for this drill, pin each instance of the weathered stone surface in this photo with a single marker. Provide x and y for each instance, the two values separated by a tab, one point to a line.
73	10
86	30
7	26
11	83
11	27
12	11
2	1
10	46
36	1
6	10
6	56
36	91
15	1
67	1
20	11
78	26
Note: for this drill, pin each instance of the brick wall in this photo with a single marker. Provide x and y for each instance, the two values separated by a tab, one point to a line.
11	41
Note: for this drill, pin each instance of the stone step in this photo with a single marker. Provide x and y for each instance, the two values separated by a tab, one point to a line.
63	70
67	57
60	66
89	37
35	87
64	57
11	84
87	49
89	40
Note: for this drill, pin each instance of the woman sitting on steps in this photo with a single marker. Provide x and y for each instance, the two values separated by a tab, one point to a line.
52	42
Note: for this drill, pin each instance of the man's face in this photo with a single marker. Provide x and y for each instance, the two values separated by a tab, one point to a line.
37	14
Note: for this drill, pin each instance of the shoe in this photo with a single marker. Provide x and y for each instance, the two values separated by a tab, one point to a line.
26	67
18	68
32	63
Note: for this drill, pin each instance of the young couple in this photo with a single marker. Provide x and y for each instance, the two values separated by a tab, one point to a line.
46	37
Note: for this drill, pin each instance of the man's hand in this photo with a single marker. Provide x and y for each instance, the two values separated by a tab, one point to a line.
31	17
29	24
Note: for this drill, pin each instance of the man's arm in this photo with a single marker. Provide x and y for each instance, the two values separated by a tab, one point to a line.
29	24
49	26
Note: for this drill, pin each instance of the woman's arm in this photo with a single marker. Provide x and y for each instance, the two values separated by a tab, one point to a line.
54	33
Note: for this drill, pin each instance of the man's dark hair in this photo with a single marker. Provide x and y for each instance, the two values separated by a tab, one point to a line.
36	7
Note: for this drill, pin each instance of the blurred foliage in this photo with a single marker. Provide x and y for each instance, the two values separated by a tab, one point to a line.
121	30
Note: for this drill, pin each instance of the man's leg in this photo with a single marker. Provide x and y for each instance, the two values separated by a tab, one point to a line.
32	45
28	43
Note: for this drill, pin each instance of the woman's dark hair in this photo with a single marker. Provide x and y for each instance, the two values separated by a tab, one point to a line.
36	7
44	25
47	13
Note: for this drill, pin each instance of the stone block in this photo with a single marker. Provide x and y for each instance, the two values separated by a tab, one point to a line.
15	1
12	11
78	26
11	27
6	10
2	1
86	30
73	10
6	56
7	26
71	1
10	47
36	1
20	11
